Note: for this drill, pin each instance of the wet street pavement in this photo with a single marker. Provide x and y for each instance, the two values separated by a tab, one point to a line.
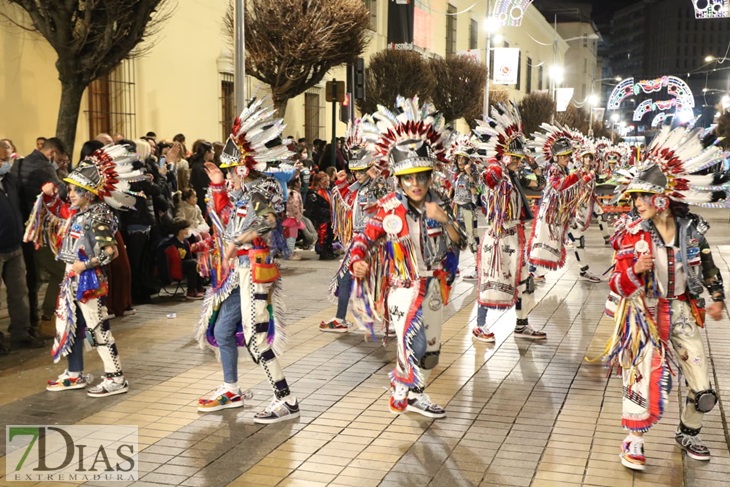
520	413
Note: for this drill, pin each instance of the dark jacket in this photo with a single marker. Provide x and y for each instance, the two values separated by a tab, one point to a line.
11	221
31	173
199	181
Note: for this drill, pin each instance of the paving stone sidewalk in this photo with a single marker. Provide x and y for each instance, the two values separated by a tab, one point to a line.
520	413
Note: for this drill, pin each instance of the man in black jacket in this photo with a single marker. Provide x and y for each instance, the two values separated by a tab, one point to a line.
31	173
12	266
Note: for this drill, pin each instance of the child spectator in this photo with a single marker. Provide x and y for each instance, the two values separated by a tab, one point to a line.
189	264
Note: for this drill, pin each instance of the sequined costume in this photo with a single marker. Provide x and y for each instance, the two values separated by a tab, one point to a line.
245	307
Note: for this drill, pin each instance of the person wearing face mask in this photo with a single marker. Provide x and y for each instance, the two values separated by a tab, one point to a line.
663	265
403	255
32	172
12	265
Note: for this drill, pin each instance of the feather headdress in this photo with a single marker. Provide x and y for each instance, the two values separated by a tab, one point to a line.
107	173
555	140
503	135
670	166
361	154
255	139
411	139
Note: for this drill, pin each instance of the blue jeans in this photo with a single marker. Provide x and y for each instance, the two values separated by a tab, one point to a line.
481	315
229	317
345	287
76	357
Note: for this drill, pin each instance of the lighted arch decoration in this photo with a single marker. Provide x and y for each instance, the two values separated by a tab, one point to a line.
659	119
647	106
622	91
676	87
711	9
510	12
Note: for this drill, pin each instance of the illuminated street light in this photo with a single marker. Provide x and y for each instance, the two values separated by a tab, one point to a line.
491	26
725	101
614	117
556	72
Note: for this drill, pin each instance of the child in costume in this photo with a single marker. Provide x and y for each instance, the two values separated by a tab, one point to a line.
465	192
81	234
586	207
352	206
546	247
503	277
663	262
401	255
244	307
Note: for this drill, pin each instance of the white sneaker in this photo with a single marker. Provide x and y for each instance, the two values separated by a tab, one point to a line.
589	276
108	387
67	383
469	276
279	410
422	404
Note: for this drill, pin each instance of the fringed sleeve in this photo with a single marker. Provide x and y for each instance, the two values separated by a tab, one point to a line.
342	213
47	222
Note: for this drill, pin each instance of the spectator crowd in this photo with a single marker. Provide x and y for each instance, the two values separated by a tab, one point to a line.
158	241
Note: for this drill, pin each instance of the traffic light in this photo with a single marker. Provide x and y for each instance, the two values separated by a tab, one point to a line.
345	109
359	91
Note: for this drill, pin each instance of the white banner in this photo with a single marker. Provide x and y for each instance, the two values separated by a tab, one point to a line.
562	98
506	65
598	114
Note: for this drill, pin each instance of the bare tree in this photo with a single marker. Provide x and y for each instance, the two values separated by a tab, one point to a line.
574	117
535	109
459	86
292	44
396	72
91	37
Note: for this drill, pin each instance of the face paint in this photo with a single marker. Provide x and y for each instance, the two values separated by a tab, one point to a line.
420	179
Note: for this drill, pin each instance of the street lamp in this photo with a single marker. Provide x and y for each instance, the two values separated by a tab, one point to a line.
491	25
709	59
725	101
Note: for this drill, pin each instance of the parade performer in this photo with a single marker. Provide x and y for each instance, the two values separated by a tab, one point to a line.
244	307
662	263
465	191
402	256
503	278
352	206
546	247
587	208
82	236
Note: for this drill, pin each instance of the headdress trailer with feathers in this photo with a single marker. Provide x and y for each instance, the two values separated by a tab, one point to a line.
361	155
255	139
503	136
670	166
461	145
411	140
556	140
107	173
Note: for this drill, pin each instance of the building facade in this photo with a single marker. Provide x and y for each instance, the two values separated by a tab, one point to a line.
184	83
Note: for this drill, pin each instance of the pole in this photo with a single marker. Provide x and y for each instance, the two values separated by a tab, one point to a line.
334	122
489	74
590	126
555	60
239	78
